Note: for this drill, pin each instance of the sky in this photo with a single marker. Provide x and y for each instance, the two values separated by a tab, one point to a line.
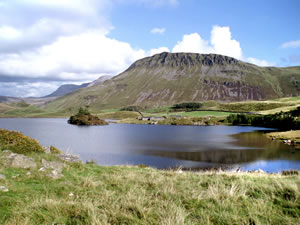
47	43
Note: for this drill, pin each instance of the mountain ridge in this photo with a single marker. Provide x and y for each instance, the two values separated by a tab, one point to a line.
168	78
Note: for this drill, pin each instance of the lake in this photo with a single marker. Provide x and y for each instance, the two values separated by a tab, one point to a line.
190	147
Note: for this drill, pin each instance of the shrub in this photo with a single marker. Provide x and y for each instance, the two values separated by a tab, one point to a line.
132	108
187	106
55	150
282	120
83	111
18	143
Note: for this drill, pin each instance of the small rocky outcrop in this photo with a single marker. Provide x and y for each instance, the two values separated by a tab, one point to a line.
18	160
83	117
70	158
58	166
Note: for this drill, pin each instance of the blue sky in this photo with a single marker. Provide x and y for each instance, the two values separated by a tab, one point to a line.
44	44
261	27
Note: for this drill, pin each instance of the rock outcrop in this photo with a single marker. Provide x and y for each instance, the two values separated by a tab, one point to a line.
18	160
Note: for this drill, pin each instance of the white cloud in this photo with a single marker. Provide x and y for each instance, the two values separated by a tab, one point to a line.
158	30
155	3
220	42
9	33
192	43
223	43
259	62
70	57
291	44
158	50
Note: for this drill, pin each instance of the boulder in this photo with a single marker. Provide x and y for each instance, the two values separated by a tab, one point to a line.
2	177
69	158
18	160
4	189
58	166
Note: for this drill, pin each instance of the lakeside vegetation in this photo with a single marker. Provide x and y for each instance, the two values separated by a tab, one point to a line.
86	193
283	120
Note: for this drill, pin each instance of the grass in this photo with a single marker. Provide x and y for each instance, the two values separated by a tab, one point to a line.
286	135
91	194
118	115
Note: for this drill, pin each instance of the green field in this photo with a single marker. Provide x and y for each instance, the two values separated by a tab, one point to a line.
221	109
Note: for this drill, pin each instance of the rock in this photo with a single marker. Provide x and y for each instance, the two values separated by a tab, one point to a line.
15	176
71	194
28	173
69	158
4	189
47	150
260	171
42	169
55	174
58	166
18	160
2	176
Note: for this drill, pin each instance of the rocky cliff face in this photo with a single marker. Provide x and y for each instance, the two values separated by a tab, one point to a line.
168	78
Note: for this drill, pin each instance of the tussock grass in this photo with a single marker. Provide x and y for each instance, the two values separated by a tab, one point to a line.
133	195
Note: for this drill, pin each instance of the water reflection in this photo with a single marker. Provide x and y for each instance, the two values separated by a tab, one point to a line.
163	146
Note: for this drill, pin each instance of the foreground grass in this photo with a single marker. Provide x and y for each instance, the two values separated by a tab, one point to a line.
90	194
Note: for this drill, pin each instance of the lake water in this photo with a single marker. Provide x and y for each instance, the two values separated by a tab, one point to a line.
190	147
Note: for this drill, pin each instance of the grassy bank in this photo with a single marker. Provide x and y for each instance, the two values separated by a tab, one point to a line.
293	135
90	194
86	193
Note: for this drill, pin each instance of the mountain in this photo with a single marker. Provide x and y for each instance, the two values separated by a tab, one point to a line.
66	89
100	80
69	88
168	78
7	99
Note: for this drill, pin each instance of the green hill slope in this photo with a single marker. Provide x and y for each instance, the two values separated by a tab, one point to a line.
168	78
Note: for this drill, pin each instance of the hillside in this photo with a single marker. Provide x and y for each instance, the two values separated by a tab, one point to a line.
168	78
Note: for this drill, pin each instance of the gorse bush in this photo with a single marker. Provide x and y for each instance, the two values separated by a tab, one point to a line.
18	143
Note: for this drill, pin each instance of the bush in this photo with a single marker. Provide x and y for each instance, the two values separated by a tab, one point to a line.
18	143
187	106
55	150
283	120
132	108
83	111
